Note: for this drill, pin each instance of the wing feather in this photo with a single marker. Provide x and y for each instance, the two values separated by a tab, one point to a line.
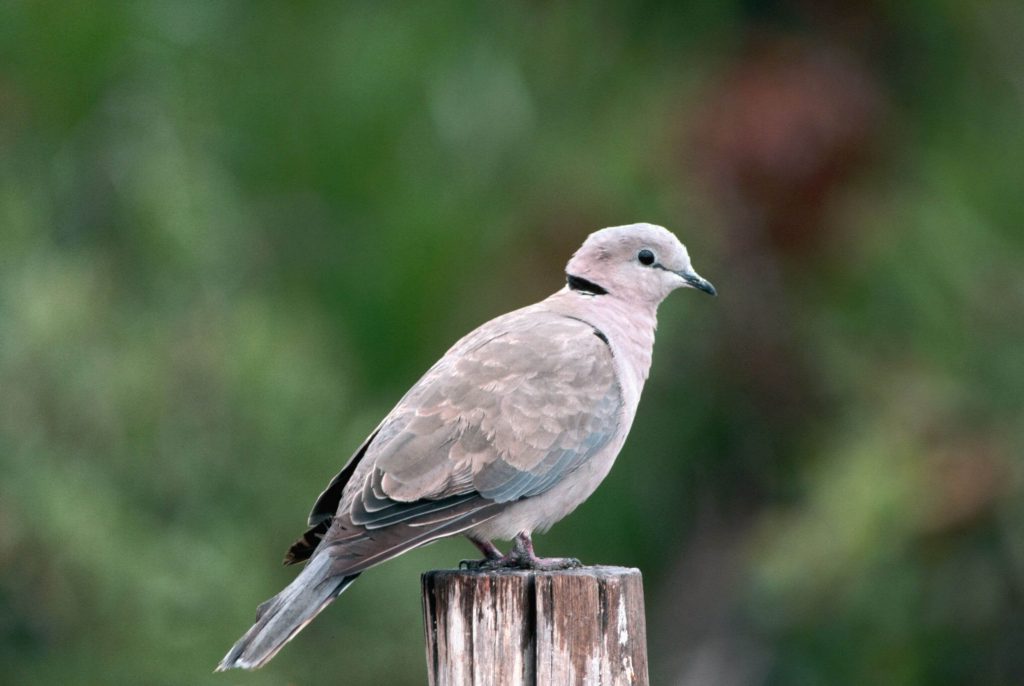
506	419
506	414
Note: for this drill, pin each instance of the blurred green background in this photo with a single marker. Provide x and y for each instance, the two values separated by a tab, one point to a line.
233	233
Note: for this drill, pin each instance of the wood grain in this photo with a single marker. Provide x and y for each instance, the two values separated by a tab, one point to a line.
524	628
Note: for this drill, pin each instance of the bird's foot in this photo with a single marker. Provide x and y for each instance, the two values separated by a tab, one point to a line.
492	557
513	561
485	565
522	556
526	558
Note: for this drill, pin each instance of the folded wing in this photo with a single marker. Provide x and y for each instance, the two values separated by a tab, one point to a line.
510	411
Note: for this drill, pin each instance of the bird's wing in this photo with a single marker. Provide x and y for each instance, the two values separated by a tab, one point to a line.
327	502
503	419
511	410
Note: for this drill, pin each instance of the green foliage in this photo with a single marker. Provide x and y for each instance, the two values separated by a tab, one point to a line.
232	234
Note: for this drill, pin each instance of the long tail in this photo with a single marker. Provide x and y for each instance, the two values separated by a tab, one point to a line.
284	615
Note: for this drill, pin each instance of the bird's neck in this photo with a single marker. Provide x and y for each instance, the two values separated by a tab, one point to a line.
628	326
633	327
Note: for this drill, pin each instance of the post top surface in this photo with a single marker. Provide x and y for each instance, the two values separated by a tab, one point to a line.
597	571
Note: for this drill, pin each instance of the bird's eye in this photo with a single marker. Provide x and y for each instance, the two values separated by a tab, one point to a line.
646	257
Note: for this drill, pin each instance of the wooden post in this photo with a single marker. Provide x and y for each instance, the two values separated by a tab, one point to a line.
525	628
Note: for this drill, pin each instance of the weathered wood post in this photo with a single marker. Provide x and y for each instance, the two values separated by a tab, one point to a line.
527	628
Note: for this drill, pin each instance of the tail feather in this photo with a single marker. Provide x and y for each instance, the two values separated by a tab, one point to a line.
284	615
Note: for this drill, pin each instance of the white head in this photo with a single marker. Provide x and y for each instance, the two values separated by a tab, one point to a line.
637	262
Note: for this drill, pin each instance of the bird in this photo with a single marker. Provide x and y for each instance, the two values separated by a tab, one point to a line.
513	428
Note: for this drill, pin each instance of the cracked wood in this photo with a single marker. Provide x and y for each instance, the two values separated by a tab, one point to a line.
524	628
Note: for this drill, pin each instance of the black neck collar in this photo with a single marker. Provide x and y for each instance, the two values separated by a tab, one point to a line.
578	283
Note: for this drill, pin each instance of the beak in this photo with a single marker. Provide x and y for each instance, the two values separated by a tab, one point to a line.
695	280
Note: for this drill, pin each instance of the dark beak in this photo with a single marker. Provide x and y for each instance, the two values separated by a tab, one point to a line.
695	280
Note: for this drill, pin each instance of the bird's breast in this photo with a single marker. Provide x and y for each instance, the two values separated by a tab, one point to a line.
538	513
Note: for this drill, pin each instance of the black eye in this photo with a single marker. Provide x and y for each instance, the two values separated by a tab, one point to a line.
646	257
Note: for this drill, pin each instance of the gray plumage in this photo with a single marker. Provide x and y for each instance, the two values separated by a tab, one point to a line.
506	434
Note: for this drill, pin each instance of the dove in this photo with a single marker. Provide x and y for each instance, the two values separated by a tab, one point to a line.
513	428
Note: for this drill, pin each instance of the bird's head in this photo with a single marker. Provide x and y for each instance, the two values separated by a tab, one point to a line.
640	262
